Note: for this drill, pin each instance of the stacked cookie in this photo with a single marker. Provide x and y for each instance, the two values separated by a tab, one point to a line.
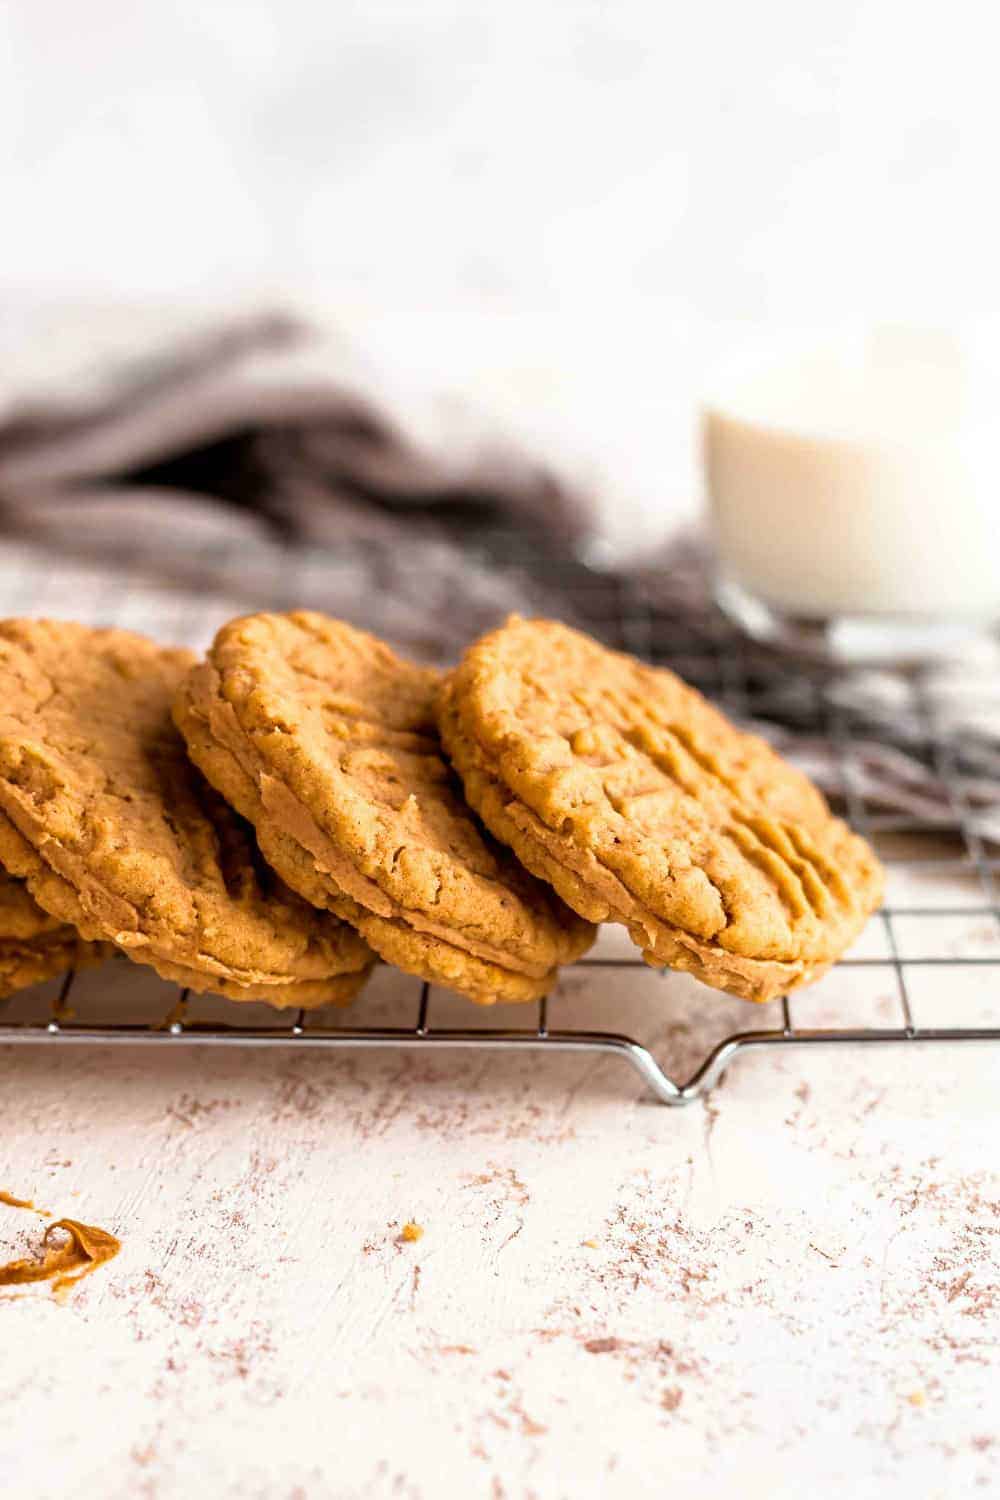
327	742
641	804
33	945
131	777
118	838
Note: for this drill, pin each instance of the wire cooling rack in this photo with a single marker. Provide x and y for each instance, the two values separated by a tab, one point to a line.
942	912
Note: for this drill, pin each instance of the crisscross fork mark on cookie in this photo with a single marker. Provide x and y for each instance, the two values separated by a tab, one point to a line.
642	804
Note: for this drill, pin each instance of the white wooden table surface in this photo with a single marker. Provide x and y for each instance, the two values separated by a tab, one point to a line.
790	1289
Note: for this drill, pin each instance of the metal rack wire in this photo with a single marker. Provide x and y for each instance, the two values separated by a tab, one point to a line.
749	683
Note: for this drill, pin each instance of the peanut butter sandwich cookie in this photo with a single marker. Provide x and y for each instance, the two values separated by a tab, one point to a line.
326	741
33	945
642	804
115	833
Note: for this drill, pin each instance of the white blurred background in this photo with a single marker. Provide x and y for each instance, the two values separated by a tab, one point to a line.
562	214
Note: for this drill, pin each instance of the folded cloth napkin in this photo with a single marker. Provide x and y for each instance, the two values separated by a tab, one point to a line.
256	464
263	415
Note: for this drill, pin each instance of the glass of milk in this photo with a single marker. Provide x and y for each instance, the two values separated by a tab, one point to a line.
852	489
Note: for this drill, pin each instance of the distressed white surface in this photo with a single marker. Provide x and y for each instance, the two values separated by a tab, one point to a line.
791	1289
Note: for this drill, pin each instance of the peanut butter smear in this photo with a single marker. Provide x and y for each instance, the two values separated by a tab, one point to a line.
64	1265
13	1202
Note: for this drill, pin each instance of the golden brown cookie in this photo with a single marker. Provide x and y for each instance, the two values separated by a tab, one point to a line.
642	804
325	740
115	832
21	917
24	962
33	945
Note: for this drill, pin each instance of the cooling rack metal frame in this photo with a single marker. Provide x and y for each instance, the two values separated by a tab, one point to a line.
749	682
665	1090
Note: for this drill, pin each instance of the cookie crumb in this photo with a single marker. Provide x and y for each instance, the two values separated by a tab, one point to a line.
590	1244
411	1232
917	1398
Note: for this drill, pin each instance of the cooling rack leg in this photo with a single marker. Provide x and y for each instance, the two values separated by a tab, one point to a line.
660	1085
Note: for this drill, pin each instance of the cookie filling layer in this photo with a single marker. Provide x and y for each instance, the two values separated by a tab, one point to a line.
295	994
63	886
296	820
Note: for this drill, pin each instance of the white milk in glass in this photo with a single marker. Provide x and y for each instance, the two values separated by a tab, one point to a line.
858	480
